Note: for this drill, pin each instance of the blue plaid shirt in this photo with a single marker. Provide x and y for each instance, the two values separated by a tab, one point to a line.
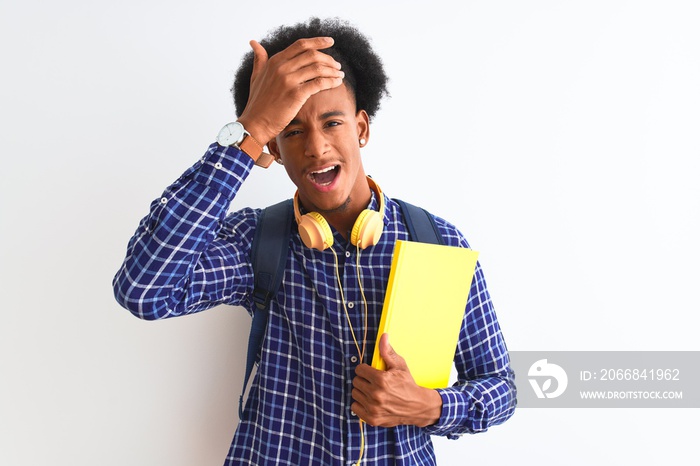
188	255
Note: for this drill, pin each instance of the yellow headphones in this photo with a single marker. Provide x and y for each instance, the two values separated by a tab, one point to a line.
316	233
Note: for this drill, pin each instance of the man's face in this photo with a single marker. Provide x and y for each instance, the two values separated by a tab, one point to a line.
320	150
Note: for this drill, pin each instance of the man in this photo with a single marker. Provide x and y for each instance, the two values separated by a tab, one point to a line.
308	92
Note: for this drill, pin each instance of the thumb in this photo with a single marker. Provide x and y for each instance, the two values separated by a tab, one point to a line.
259	59
390	357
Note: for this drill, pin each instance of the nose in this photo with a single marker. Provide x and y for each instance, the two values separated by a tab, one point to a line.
316	143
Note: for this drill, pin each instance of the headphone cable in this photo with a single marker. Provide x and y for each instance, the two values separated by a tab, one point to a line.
360	352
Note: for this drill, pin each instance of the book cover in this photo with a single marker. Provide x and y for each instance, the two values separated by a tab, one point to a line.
424	307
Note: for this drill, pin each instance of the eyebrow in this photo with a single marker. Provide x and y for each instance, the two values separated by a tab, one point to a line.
324	116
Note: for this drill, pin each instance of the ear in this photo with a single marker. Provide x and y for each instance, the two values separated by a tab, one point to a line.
362	125
274	149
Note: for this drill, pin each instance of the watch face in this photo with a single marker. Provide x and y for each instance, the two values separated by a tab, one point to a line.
231	134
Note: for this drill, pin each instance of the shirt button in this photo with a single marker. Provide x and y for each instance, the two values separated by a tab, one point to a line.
353	359
218	166
347	253
351	305
353	413
163	200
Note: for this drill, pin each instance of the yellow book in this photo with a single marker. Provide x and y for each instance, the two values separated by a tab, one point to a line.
424	307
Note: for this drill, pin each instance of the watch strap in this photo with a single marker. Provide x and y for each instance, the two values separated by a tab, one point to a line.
265	160
254	149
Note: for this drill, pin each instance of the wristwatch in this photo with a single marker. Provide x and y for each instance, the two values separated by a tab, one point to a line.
234	134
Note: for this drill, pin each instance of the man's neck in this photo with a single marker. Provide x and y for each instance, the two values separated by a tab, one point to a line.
343	219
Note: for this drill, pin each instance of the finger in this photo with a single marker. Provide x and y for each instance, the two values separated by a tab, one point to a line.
372	417
364	410
314	57
302	53
308	66
309	73
259	59
316	70
360	411
359	397
361	383
390	357
312	43
366	373
317	85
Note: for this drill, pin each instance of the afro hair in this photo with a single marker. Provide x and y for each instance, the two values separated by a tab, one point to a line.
364	71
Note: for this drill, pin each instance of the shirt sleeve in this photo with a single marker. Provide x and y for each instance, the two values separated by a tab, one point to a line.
485	393
186	255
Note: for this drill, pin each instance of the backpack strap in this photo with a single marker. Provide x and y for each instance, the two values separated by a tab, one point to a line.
268	258
421	225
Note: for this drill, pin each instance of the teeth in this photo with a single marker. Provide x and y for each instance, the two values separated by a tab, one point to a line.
324	170
313	176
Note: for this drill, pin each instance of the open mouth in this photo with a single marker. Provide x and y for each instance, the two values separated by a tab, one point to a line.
326	176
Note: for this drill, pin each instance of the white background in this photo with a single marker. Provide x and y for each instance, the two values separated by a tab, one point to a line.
561	137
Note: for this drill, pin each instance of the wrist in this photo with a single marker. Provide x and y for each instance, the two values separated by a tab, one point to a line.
236	134
256	129
432	408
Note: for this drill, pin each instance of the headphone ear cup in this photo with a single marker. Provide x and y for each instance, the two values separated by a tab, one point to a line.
367	229
315	231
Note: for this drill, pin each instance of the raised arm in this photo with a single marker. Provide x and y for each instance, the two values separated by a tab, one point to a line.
185	255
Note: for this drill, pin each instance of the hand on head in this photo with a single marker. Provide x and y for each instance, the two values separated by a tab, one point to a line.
281	84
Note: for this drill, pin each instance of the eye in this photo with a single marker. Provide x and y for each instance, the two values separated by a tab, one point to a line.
333	123
291	133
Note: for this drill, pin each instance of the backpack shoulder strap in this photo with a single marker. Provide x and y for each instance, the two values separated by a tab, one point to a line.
421	225
268	252
268	258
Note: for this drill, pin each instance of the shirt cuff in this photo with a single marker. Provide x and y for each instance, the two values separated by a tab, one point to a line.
456	406
223	168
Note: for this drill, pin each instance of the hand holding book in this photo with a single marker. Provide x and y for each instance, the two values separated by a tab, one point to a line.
424	308
391	397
